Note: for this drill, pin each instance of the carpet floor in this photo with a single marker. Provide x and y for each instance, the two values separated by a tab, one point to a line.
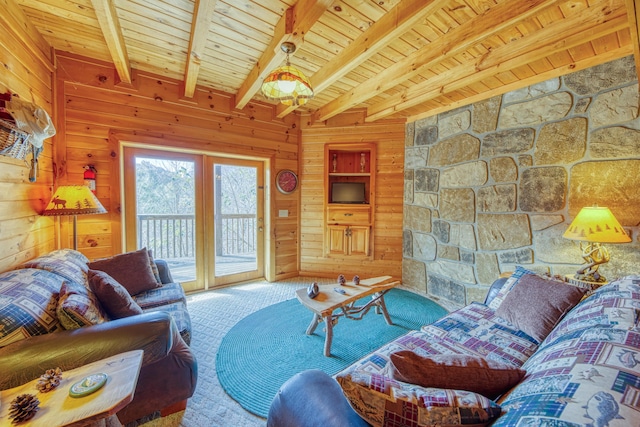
213	314
268	347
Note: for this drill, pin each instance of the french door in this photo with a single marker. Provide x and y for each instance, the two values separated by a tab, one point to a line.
203	214
236	201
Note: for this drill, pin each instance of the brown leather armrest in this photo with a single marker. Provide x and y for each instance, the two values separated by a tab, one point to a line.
27	359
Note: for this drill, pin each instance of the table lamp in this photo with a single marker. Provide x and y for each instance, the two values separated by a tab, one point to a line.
595	225
73	200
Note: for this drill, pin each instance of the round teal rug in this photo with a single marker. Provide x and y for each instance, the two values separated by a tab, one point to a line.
268	347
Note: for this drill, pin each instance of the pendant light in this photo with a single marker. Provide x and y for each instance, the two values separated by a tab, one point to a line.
287	84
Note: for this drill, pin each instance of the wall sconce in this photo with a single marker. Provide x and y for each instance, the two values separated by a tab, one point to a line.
595	225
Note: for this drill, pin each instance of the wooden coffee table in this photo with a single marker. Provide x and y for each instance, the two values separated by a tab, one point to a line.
329	305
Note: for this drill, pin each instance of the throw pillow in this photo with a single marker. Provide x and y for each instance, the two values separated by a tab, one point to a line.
535	304
154	267
113	296
132	270
78	307
384	402
455	371
508	285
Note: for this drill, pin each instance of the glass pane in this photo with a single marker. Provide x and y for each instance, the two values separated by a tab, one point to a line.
165	199
235	219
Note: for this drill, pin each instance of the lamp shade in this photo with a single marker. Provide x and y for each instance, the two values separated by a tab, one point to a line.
288	85
73	200
596	224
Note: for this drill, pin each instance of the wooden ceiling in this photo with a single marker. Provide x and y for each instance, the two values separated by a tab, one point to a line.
394	58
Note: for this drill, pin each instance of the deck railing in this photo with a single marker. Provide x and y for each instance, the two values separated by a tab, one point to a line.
173	236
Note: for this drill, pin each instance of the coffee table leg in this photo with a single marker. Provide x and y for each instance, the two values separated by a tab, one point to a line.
328	320
385	313
314	324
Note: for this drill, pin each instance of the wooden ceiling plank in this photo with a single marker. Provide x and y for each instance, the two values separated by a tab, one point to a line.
202	15
633	13
576	66
110	25
55	8
292	27
456	41
552	39
15	18
398	21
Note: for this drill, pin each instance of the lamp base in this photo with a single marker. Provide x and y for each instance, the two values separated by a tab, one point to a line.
582	281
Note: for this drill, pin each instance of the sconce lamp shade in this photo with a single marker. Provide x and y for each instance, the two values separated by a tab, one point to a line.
287	84
596	224
73	200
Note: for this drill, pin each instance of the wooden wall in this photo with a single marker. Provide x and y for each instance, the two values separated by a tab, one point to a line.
387	232
27	71
96	114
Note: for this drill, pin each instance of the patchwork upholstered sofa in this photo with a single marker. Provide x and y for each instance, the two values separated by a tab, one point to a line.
581	368
60	310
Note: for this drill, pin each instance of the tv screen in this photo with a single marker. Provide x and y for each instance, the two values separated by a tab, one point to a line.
348	192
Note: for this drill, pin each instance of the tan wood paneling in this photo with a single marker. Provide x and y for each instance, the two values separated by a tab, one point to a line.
387	230
398	59
27	72
99	114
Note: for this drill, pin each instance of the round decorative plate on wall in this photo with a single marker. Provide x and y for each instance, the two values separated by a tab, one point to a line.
286	181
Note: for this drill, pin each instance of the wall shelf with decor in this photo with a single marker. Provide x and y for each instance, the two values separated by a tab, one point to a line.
349	199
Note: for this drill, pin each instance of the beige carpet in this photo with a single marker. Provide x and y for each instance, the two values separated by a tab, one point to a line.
213	313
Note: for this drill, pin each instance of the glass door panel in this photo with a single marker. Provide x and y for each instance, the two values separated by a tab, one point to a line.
237	220
161	209
165	195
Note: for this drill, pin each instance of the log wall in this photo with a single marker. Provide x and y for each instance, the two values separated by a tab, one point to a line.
97	114
27	71
388	135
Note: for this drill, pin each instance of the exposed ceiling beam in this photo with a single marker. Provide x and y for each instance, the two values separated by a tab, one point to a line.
487	24
582	64
110	25
555	37
292	27
395	23
202	15
633	12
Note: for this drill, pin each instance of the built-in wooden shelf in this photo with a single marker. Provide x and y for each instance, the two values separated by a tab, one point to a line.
349	226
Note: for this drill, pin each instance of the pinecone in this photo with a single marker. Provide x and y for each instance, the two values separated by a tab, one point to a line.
49	380
23	408
341	279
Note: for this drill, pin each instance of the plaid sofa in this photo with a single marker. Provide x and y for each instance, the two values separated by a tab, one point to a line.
49	317
585	372
30	303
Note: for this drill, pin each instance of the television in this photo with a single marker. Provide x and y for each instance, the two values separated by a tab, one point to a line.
348	192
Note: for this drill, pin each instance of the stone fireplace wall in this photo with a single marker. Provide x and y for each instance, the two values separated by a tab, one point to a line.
494	184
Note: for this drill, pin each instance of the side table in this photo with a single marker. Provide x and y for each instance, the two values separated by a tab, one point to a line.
591	286
57	408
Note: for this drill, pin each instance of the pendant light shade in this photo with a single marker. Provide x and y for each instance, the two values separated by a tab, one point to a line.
287	84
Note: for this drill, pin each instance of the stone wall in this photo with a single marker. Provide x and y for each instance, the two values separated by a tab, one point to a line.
495	184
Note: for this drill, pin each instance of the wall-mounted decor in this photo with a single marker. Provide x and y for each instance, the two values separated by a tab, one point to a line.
286	181
23	127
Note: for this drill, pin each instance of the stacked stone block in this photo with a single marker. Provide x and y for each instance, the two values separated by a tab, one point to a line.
495	184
